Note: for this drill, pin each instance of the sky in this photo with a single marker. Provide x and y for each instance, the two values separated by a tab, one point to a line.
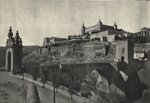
37	19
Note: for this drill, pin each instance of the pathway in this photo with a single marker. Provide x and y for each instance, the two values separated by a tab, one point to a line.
45	94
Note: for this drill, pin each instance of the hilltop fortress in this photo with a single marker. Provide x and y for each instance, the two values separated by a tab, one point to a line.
98	50
99	32
98	42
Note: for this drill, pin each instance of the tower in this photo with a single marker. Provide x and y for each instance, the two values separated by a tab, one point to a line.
125	49
99	24
14	53
115	25
83	29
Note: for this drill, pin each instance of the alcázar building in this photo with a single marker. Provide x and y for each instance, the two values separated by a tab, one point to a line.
99	32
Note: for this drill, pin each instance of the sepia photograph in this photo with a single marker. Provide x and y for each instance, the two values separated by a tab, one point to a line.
74	51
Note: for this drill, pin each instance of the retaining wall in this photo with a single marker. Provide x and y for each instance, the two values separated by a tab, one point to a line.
32	94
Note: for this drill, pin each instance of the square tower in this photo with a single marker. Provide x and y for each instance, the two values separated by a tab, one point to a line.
125	48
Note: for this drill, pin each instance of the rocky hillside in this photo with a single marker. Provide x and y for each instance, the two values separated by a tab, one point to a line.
141	47
116	91
92	52
26	51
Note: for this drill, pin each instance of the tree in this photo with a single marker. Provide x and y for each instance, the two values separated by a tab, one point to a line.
44	77
32	68
23	70
34	73
54	74
56	78
71	80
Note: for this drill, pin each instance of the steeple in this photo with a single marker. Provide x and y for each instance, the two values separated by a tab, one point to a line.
17	38
83	25
10	34
99	22
115	25
99	25
82	29
17	34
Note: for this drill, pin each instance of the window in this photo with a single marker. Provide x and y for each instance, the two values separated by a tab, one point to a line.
122	49
105	38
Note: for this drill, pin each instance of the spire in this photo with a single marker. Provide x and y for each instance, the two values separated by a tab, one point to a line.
99	20
17	38
83	24
17	34
10	34
10	30
82	29
115	25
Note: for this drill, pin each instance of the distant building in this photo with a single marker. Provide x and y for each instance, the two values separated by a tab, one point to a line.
103	32
98	32
145	32
108	35
143	36
52	40
74	37
97	28
46	41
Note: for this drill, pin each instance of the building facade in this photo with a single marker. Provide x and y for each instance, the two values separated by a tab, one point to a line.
143	36
145	32
97	28
52	40
103	32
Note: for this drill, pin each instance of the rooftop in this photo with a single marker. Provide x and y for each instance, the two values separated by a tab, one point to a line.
146	28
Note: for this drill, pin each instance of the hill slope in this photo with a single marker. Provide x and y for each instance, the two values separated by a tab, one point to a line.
87	57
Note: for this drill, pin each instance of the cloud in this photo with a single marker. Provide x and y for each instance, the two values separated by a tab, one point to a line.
36	19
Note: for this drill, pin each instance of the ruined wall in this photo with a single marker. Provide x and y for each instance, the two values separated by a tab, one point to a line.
92	50
77	51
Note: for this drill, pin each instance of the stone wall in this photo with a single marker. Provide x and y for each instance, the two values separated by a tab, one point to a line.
86	49
32	94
